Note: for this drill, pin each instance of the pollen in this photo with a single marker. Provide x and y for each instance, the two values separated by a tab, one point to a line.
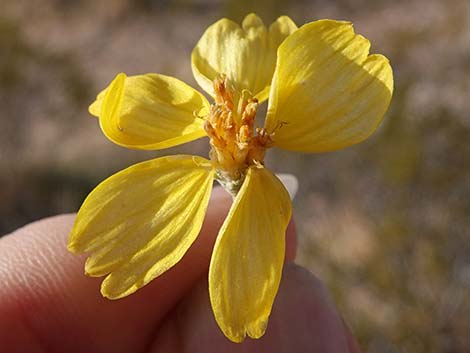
235	142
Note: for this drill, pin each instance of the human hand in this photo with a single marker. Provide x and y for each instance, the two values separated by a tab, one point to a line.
48	305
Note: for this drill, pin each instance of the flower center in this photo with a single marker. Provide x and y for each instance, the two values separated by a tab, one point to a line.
235	143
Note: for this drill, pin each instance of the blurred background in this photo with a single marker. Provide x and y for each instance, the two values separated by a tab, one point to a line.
384	224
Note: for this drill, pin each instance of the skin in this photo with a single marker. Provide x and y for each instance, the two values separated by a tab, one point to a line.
48	305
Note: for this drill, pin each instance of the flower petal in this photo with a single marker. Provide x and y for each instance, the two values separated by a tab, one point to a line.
141	221
150	111
248	256
95	107
246	54
327	92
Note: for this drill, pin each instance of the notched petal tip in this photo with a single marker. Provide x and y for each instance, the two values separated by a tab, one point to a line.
258	329
252	21
254	330
110	295
108	292
71	247
246	54
282	27
74	244
140	222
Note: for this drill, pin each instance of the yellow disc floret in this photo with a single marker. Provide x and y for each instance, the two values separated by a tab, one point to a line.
235	143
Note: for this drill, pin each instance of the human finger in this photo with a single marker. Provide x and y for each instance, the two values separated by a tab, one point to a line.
49	302
303	319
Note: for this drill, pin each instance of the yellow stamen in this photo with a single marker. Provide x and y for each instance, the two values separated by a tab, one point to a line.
235	143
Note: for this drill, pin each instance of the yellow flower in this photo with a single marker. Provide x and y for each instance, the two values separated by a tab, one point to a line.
325	93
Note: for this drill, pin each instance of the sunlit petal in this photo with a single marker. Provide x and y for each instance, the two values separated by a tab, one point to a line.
327	91
150	111
95	107
140	222
248	256
246	53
